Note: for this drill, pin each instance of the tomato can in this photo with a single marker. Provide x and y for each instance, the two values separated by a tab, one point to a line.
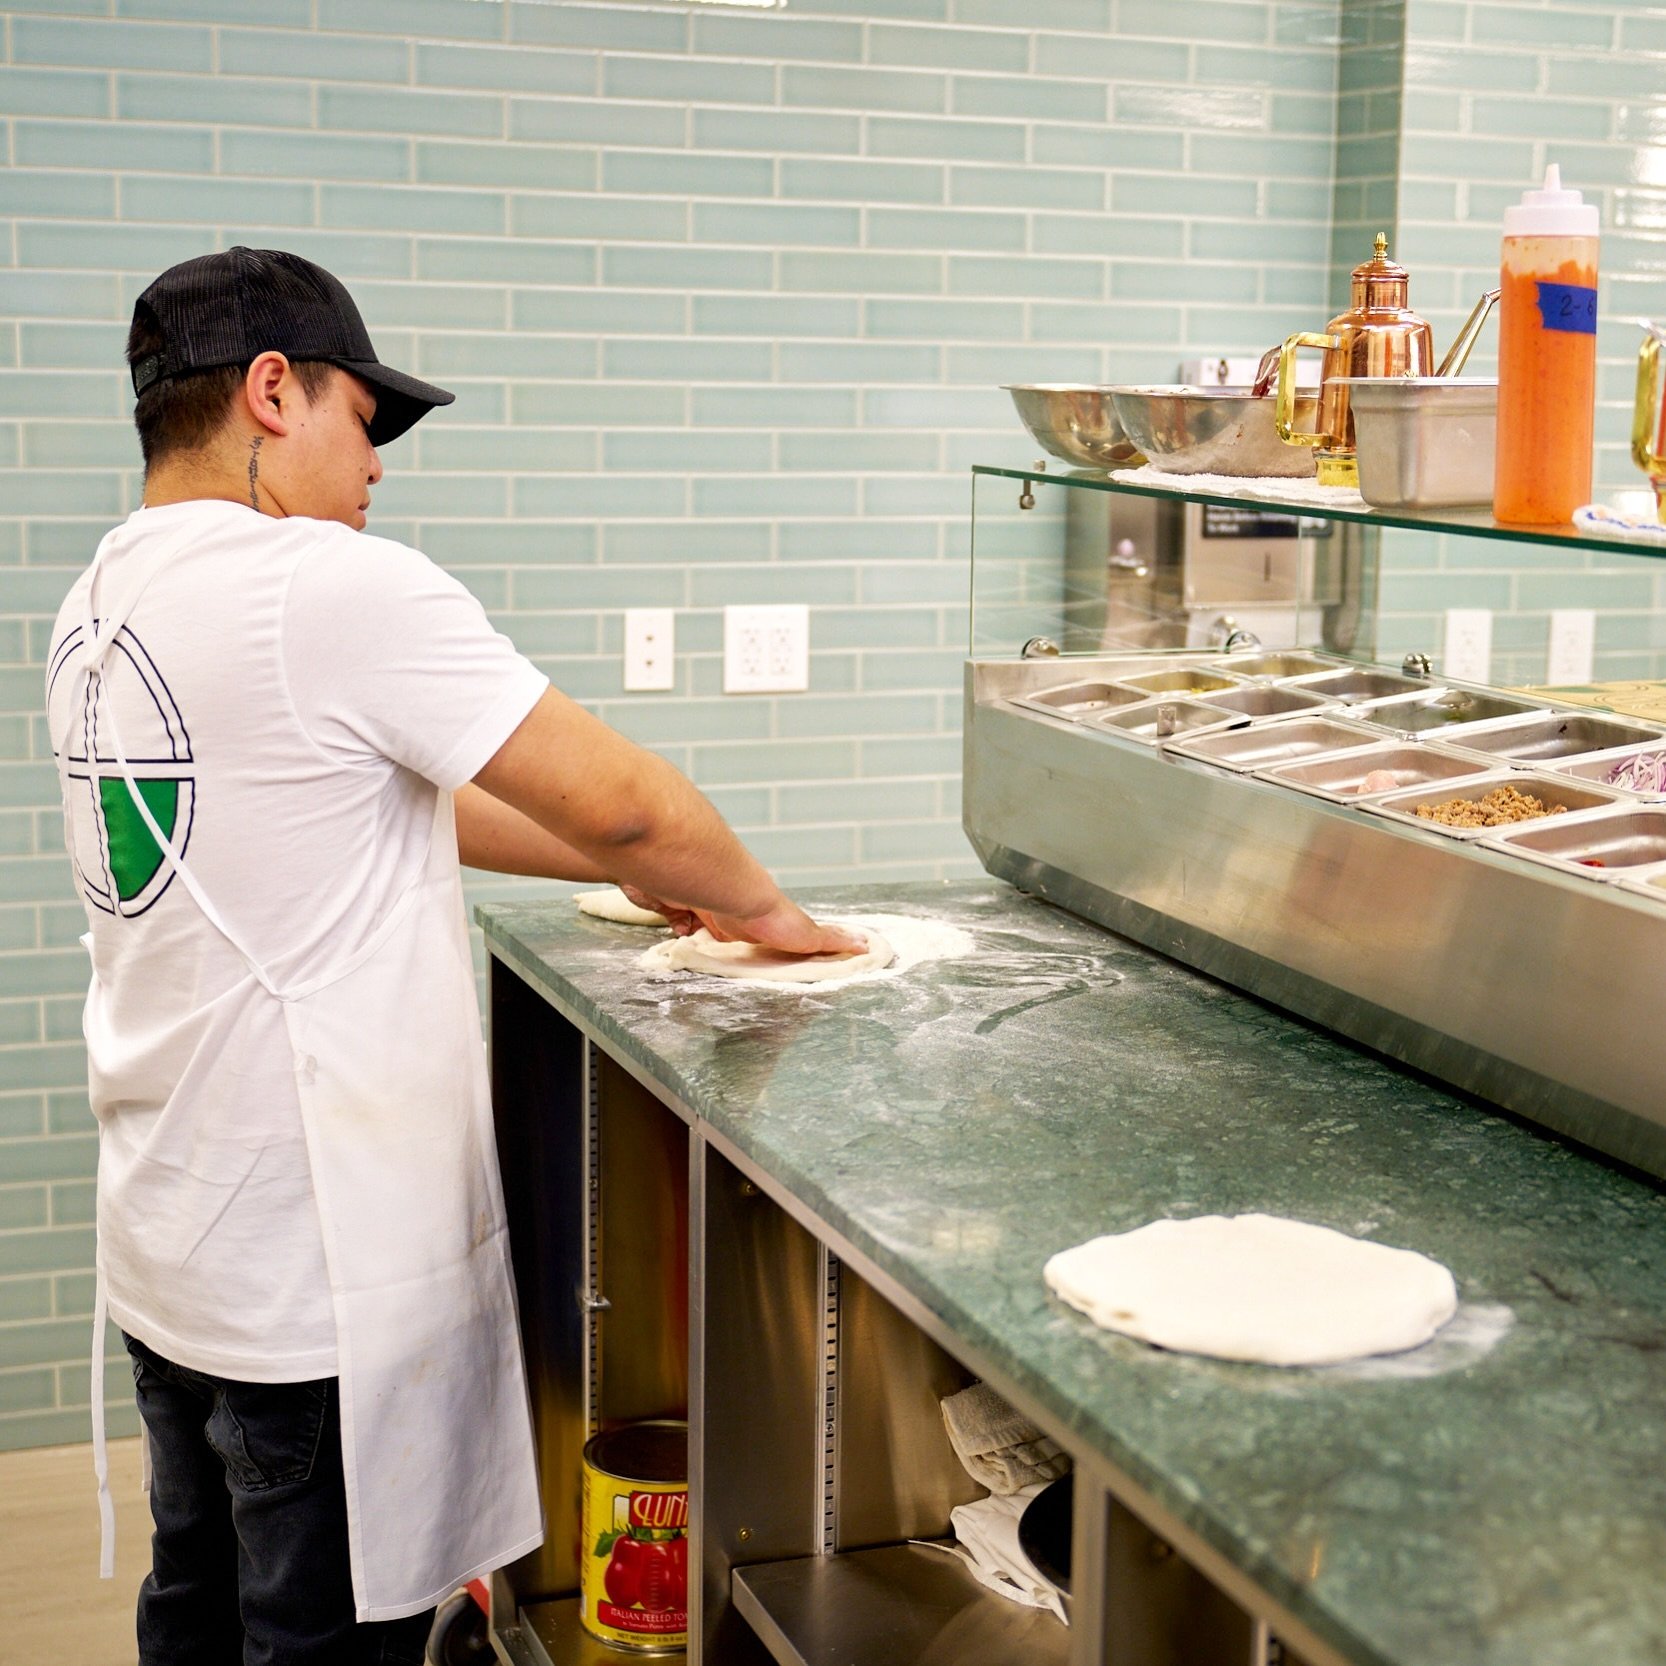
633	1584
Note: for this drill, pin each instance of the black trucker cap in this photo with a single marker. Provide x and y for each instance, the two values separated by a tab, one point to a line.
229	308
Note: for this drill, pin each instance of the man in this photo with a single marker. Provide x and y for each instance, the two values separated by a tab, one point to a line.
276	739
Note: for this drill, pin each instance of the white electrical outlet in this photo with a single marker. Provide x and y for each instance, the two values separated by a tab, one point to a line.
766	650
650	648
1573	645
1468	654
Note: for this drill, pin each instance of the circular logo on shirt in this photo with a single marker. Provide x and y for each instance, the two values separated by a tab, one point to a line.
119	864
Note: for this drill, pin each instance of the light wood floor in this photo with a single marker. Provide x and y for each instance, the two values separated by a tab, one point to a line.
53	1605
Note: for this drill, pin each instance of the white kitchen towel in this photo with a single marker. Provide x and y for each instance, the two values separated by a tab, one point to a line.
1601	521
1295	492
999	1448
988	1535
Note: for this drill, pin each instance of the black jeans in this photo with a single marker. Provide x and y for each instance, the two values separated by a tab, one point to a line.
249	1558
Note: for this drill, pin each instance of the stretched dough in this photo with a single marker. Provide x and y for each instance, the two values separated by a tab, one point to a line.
1256	1287
702	952
613	904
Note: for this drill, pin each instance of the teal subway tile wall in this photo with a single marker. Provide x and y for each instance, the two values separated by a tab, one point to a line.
725	297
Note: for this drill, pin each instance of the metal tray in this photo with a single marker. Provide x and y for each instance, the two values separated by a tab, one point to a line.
1625	836
1546	735
1265	700
1143	722
1275	664
1597	765
1555	791
1424	442
1354	686
1443	709
1338	777
1263	745
1077	702
1183	682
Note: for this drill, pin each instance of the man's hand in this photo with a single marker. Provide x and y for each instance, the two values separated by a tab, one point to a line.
786	926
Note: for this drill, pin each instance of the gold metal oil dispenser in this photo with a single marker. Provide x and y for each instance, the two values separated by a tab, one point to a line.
1378	335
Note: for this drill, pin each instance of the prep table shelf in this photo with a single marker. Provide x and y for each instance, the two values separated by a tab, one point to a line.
552	1635
893	1604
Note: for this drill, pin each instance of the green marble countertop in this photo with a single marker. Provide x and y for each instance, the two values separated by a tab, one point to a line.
1495	1498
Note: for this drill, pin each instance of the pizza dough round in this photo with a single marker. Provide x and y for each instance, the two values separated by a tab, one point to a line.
702	952
613	904
1256	1287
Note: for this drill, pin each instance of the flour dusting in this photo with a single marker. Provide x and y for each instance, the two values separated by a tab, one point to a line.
915	941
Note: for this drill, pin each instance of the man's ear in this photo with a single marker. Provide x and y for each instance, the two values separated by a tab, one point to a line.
268	387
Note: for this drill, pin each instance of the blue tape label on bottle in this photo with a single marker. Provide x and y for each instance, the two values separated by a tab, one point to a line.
1568	306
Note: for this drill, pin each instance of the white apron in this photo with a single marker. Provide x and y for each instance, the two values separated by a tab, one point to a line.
390	1067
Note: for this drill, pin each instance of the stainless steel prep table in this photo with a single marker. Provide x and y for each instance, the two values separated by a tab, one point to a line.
847	1197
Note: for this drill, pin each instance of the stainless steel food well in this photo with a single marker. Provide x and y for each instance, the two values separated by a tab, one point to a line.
1156	720
1182	682
1262	745
1353	686
1265	700
1546	735
1560	796
1274	664
1598	766
1188	430
1340	776
1446	708
1077	701
1601	845
1076	422
1424	442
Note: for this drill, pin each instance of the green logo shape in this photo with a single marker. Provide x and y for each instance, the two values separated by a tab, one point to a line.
135	856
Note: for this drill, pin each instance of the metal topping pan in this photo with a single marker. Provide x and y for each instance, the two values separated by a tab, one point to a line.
1354	686
1155	721
1601	845
1274	664
1078	701
1627	770
1445	709
1265	701
1183	682
1546	735
1349	777
1559	796
1262	745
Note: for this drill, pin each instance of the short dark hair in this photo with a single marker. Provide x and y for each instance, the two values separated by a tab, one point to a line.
182	413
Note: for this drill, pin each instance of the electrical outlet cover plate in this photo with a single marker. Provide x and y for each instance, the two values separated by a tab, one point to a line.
1573	640
1468	651
650	649
766	650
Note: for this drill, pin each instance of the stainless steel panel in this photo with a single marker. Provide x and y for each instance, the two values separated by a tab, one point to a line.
1538	739
642	1260
755	1421
904	1605
897	1476
1341	777
1280	893
1264	744
1265	702
1558	794
538	1092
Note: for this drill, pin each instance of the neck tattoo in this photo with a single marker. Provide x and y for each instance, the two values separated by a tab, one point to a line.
254	469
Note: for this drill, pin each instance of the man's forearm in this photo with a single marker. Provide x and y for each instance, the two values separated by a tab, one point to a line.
496	837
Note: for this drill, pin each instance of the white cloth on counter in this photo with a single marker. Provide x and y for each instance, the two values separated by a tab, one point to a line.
999	1448
1296	491
988	1544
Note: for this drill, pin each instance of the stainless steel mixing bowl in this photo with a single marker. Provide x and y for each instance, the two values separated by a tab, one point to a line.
1186	430
1077	423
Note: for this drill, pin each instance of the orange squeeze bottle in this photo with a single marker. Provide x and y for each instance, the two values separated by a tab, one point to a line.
1547	356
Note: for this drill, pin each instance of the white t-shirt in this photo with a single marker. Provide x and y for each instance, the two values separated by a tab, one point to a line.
291	695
